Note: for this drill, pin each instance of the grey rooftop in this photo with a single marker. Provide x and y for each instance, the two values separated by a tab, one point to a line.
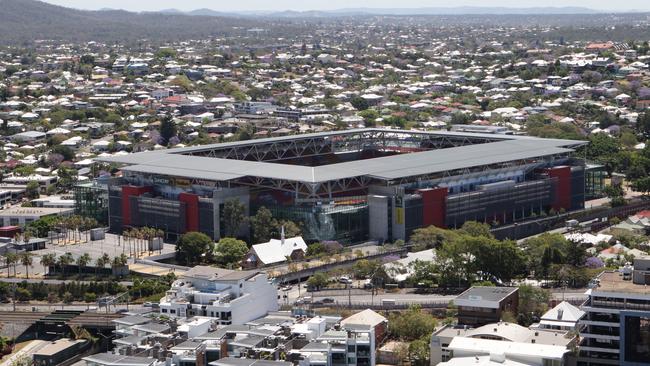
502	149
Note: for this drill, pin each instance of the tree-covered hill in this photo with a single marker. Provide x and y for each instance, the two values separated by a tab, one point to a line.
30	20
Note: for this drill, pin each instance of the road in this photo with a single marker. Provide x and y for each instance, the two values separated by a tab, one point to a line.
360	296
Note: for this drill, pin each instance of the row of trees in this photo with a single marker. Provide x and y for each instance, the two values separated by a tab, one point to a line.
70	228
50	260
263	226
471	254
197	248
139	239
66	292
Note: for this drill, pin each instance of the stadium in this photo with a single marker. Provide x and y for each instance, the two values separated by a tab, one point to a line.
351	185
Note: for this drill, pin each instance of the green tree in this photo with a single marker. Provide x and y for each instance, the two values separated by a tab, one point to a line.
365	268
359	103
64	151
419	352
425	273
67	298
476	229
642	185
26	259
67	177
193	247
23	294
263	225
65	260
532	302
643	124
615	193
291	229
101	262
167	130
229	252
603	148
82	261
315	249
32	191
234	216
318	281
165	53
48	261
42	227
411	325
431	237
369	116
90	297
11	259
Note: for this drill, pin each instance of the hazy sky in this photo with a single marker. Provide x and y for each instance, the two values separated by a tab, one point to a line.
137	5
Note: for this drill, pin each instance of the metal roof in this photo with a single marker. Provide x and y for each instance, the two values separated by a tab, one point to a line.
505	148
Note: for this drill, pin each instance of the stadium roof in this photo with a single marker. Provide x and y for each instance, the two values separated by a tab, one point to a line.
502	149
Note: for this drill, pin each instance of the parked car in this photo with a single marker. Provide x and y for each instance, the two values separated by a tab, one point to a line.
345	280
328	300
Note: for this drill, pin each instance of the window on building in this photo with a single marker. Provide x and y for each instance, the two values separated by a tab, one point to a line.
637	339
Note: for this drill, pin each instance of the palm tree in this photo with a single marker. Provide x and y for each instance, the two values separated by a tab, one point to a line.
160	234
83	261
11	259
127	239
64	261
27	261
119	261
48	260
101	262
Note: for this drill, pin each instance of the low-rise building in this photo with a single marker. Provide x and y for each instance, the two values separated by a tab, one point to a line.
232	297
275	252
507	340
563	316
481	305
22	216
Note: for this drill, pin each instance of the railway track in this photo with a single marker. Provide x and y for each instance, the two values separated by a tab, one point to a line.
83	319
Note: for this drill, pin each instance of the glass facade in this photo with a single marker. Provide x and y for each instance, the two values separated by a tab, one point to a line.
637	339
346	222
91	200
594	181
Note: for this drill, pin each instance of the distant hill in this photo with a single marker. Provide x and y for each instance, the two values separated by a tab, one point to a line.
472	10
460	10
29	20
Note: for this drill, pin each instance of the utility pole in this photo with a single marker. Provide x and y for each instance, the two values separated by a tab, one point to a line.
350	292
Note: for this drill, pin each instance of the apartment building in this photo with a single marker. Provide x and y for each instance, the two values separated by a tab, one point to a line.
276	339
503	340
616	327
232	297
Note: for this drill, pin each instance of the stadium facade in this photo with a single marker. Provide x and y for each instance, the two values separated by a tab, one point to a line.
350	185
